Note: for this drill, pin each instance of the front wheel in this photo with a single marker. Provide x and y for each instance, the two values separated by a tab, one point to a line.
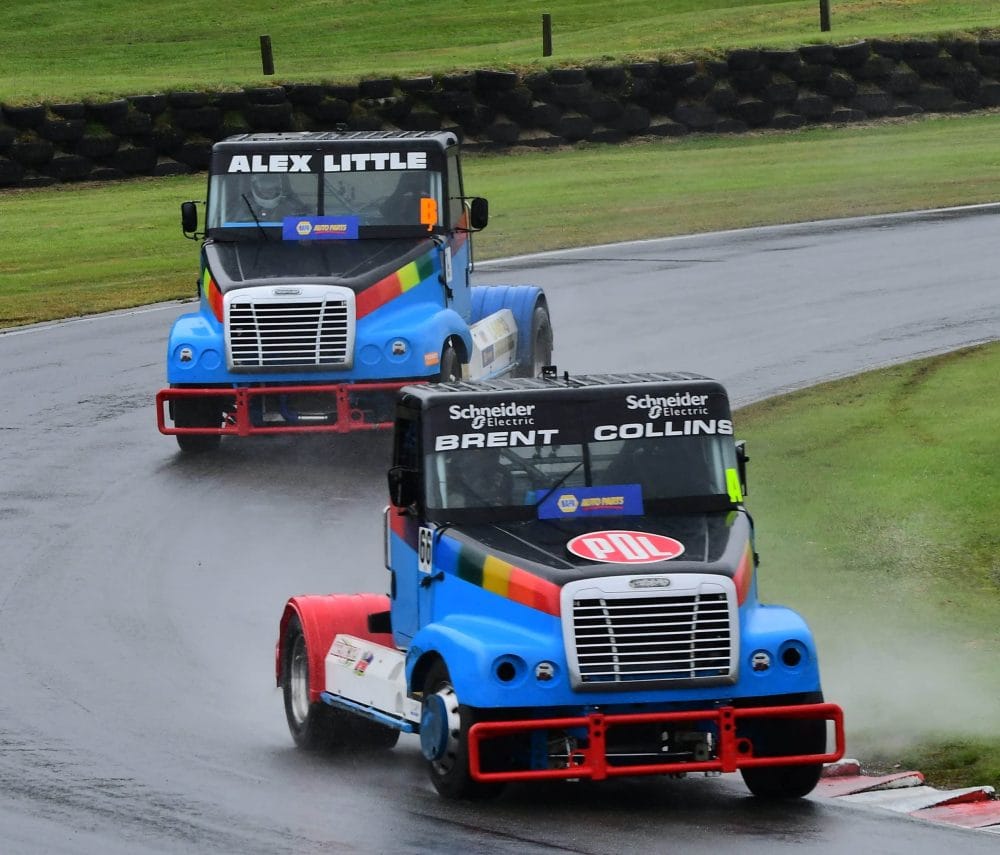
444	730
781	782
540	353
197	412
777	738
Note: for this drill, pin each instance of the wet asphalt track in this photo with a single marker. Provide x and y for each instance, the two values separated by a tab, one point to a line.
140	590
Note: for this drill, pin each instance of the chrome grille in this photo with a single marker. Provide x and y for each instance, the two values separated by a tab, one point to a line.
290	333
621	638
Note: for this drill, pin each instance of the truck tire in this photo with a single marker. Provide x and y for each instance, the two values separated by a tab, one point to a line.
540	353
774	738
368	735
446	723
314	726
451	365
197	412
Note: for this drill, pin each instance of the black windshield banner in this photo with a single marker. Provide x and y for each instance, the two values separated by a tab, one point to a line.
526	420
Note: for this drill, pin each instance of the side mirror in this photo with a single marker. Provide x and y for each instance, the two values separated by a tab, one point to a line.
403	486
479	213
189	218
742	458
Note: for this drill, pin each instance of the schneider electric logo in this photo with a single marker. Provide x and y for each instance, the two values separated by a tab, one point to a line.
682	404
494	415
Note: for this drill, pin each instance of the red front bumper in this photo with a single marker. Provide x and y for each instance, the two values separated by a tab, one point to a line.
346	401
591	762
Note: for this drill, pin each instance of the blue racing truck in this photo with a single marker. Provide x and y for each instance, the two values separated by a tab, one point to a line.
335	268
572	595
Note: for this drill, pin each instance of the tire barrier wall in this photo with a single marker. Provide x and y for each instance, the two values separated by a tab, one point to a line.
172	133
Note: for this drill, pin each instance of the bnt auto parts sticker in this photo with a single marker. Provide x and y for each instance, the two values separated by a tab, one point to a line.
320	228
605	500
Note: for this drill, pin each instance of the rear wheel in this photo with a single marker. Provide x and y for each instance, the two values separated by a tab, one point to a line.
451	365
197	412
314	726
784	737
540	353
372	736
444	730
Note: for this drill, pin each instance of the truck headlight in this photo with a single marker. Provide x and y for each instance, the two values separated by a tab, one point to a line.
509	670
793	654
545	672
397	349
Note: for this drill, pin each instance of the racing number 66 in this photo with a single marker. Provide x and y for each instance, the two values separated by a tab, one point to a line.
425	538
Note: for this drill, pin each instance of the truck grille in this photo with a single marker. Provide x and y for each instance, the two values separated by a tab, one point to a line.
621	637
299	332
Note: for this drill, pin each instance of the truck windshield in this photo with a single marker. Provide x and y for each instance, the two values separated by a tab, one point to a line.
519	480
373	198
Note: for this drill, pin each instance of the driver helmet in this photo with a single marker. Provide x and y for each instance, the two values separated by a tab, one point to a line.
487	478
266	190
411	183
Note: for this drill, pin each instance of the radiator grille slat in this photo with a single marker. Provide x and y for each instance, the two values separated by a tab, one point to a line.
300	334
627	639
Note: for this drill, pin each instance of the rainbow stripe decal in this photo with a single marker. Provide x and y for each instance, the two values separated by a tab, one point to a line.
481	569
395	284
744	575
212	294
497	576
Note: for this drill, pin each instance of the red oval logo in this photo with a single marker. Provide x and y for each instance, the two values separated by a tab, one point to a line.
625	547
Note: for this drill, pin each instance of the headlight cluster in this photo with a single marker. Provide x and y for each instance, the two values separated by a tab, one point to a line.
791	655
511	671
188	356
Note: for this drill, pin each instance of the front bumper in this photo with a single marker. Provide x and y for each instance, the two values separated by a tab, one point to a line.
345	408
590	758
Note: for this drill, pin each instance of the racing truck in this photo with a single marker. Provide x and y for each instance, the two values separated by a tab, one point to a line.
572	594
335	268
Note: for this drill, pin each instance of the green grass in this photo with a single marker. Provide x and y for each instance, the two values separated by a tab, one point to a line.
707	183
951	763
96	48
84	249
876	501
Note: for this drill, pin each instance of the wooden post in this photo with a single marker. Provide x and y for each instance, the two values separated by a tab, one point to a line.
266	57
824	15
546	34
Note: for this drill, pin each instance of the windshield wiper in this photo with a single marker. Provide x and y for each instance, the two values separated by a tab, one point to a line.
253	214
558	483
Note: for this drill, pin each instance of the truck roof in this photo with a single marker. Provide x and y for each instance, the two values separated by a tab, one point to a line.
596	383
444	139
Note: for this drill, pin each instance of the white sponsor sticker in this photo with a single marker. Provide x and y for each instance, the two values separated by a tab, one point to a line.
688	427
494	439
367	161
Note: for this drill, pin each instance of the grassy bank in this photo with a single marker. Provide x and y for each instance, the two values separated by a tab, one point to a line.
876	499
64	50
84	249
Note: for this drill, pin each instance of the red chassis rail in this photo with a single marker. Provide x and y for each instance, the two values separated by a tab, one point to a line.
591	762
350	418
